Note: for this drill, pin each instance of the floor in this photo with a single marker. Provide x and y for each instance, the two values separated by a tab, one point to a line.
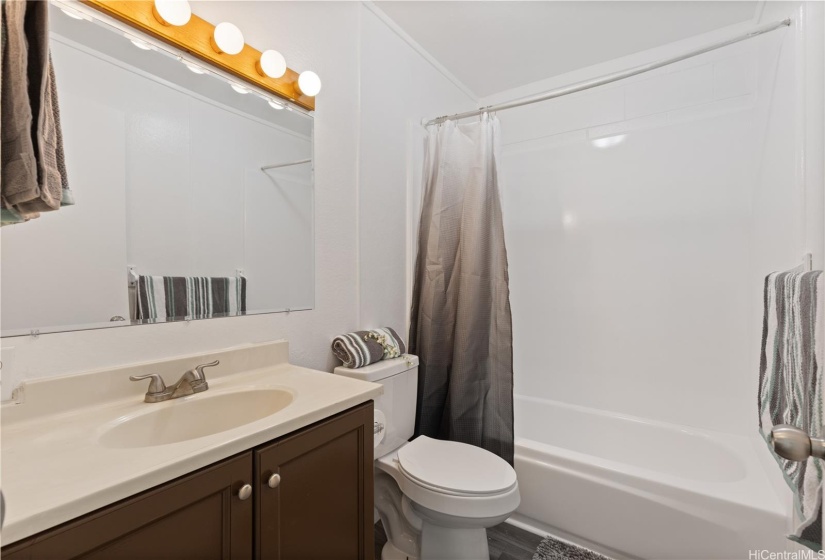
507	542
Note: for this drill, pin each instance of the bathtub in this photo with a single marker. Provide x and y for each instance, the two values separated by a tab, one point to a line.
634	488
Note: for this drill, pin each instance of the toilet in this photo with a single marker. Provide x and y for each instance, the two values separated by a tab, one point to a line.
435	498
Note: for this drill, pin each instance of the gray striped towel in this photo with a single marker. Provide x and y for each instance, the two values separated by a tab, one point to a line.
790	384
189	297
362	348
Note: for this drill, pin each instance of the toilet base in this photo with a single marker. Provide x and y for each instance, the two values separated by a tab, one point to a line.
442	543
451	543
389	552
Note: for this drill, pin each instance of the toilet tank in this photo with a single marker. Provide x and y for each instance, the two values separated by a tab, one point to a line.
399	376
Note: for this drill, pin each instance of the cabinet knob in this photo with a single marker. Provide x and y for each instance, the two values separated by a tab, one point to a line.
245	491
274	480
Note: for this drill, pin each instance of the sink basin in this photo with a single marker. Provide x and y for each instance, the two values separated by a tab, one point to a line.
193	417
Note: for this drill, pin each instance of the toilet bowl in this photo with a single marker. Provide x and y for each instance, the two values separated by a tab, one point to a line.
435	498
454	492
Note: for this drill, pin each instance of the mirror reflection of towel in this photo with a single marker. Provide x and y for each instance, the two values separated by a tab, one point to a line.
189	297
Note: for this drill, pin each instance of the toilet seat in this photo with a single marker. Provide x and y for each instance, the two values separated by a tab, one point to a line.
480	502
455	468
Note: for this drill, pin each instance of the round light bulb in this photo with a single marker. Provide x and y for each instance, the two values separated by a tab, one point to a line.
275	105
227	38
239	88
272	64
172	12
309	83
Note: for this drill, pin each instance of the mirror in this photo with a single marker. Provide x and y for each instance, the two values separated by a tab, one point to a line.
175	174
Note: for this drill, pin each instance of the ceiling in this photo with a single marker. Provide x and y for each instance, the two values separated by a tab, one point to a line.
496	46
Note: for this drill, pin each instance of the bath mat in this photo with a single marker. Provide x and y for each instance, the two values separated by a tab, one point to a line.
552	549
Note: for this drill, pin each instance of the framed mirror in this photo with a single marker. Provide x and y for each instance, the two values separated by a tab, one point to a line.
193	196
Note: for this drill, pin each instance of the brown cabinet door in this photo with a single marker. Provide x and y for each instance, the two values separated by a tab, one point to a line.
198	516
321	508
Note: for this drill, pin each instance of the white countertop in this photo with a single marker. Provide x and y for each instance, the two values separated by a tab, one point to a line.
54	469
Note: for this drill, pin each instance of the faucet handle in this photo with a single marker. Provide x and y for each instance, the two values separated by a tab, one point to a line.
155	386
198	371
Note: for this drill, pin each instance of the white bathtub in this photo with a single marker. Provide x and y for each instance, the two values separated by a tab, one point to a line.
634	488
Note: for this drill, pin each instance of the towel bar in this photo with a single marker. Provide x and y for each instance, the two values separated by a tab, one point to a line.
796	445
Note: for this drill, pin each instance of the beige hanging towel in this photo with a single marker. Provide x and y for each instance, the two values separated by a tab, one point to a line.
33	173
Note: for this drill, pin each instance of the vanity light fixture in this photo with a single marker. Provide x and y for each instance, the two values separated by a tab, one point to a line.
272	64
239	88
248	68
227	38
309	83
172	12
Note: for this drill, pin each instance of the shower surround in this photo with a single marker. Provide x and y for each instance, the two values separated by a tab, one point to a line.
641	218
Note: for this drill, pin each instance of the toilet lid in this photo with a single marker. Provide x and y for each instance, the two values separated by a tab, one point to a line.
455	467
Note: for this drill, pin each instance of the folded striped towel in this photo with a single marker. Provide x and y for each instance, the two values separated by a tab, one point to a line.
189	297
362	348
790	384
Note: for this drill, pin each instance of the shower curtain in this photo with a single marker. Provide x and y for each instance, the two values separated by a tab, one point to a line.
461	327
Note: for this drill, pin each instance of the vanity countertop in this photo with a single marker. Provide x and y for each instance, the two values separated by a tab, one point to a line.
55	468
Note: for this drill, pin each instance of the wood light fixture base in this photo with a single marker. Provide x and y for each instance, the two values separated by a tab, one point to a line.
195	38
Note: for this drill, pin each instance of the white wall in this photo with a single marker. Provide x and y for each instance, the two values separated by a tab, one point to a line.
398	88
325	37
636	266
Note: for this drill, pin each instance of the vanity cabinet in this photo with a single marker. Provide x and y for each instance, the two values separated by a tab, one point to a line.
196	516
316	492
318	506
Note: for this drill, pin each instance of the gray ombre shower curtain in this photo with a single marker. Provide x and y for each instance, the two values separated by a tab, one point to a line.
461	327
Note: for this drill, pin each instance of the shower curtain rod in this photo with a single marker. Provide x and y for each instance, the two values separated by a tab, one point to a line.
609	78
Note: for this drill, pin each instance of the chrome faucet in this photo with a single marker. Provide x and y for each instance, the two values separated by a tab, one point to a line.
193	381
